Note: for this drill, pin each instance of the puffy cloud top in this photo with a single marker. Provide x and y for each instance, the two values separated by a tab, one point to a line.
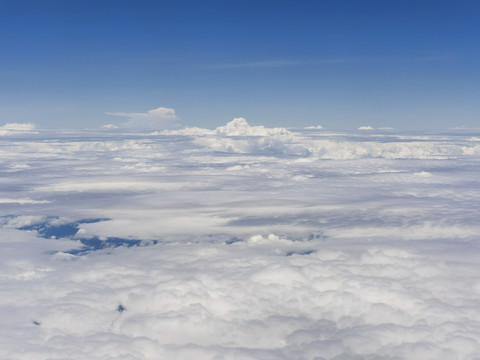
240	127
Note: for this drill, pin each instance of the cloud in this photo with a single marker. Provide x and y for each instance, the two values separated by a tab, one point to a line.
264	64
18	126
109	126
159	118
238	136
275	63
239	242
433	58
240	127
22	201
365	127
13	128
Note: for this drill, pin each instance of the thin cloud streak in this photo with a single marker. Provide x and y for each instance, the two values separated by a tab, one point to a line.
272	64
283	63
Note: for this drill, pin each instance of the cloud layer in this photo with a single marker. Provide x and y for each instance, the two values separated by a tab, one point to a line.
245	242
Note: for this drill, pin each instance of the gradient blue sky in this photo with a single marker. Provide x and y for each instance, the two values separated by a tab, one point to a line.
341	64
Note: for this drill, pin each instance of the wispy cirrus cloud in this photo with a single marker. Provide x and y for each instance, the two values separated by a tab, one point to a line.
433	58
273	63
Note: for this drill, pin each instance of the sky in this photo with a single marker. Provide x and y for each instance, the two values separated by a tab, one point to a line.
340	64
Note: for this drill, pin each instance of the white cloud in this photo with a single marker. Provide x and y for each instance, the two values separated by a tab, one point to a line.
18	126
109	126
22	201
318	127
159	118
238	136
365	127
12	128
240	127
471	150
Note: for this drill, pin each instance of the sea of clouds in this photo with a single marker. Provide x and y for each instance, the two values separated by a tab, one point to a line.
242	242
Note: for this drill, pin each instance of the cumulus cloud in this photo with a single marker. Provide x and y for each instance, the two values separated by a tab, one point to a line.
240	127
238	136
159	118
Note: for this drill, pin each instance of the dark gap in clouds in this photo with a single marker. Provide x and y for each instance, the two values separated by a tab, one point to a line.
233	240
302	252
48	229
320	236
95	243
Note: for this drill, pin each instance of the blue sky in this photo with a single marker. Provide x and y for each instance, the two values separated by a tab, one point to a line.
341	64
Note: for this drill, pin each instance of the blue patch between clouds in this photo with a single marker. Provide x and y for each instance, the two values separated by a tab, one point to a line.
48	229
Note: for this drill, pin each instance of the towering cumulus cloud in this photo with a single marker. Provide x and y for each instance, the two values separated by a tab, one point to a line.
159	118
242	242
